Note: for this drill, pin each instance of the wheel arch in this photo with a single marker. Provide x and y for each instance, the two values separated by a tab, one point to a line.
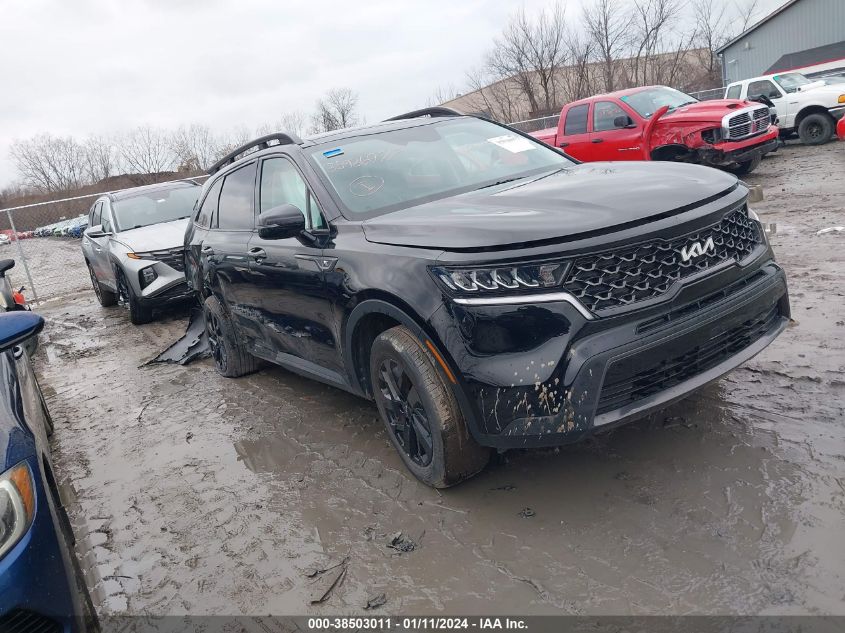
808	110
377	312
671	152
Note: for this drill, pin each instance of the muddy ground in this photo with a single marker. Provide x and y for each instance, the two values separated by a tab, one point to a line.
192	493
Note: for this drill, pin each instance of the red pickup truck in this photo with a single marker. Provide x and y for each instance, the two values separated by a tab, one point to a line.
661	123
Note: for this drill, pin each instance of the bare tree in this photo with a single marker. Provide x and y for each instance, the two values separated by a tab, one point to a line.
335	111
50	163
577	80
443	94
147	151
293	121
607	25
101	160
195	147
746	11
711	30
499	99
651	21
530	51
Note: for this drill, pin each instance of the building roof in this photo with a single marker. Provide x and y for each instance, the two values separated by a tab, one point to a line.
756	26
810	57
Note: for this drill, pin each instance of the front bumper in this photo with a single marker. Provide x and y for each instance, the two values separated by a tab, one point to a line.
174	292
732	153
563	377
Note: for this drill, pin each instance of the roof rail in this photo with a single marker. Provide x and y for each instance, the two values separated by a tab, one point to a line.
432	112
261	143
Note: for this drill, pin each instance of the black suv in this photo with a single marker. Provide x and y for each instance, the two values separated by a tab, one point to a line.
483	288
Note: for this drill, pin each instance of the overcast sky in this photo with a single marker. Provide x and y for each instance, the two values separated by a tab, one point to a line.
76	67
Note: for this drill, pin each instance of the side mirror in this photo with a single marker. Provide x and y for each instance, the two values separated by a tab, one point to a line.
17	327
97	232
623	121
280	222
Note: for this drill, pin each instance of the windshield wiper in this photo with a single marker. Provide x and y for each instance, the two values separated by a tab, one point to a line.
501	182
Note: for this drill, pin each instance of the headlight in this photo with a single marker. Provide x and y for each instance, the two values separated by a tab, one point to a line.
502	279
17	505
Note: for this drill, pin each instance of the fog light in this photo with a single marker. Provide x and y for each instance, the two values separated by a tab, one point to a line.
147	276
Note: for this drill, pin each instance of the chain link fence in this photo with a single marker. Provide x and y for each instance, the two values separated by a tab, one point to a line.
534	125
44	239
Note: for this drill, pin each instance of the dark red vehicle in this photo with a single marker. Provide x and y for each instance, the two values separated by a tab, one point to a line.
661	123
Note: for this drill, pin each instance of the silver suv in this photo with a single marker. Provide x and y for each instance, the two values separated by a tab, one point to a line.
133	246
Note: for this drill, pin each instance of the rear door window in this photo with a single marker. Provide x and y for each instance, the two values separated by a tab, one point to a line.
576	120
236	209
734	92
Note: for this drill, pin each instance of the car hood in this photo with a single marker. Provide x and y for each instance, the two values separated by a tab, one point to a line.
706	110
155	236
822	89
582	199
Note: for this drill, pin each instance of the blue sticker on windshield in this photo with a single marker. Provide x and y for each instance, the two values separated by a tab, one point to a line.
333	152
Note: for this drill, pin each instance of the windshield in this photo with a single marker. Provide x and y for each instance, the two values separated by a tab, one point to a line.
647	102
791	82
392	170
154	207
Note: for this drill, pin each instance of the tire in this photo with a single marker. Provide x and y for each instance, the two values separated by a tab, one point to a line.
230	355
138	314
815	129
745	167
106	297
420	412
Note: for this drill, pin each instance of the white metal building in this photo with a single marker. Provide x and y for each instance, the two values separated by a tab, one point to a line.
807	36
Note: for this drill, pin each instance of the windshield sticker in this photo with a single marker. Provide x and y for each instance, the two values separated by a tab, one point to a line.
513	144
366	186
333	152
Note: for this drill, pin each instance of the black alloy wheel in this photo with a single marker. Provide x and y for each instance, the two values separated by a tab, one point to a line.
215	335
406	414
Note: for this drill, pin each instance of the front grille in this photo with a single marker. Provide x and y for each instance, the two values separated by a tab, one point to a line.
627	381
173	257
626	276
22	621
747	123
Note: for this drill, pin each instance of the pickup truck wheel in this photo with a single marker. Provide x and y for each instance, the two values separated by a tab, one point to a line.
138	314
745	167
815	129
420	413
105	296
231	358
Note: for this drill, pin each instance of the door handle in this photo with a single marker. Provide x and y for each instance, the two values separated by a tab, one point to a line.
564	144
206	250
597	140
257	253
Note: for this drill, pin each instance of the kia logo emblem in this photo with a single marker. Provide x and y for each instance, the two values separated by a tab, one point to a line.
697	249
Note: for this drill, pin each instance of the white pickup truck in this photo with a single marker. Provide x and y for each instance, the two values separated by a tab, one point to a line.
810	108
